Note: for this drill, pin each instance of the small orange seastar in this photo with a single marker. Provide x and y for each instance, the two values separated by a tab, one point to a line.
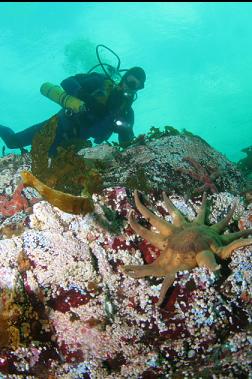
183	244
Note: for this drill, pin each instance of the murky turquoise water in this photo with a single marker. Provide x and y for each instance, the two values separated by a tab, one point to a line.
197	57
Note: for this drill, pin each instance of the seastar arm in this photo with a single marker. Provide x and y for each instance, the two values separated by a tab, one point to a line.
162	226
227	238
208	185
178	218
213	187
154	238
207	258
162	266
220	226
140	271
194	175
216	172
200	218
226	251
168	280
199	168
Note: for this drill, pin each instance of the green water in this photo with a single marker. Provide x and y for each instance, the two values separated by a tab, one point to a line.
197	57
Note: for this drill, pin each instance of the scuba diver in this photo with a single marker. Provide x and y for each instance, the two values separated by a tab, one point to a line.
104	107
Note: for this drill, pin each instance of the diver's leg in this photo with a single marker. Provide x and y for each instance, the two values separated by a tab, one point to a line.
20	139
9	137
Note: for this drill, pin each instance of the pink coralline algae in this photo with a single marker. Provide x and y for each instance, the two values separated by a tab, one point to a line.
9	206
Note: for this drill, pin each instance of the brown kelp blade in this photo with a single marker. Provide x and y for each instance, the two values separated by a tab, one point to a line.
64	201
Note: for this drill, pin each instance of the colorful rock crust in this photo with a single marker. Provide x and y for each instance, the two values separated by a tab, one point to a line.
94	321
69	311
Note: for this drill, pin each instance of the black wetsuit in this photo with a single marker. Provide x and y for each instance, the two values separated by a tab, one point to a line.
105	105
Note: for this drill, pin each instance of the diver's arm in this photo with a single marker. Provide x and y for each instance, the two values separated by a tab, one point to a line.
125	135
90	84
88	88
81	85
124	127
71	86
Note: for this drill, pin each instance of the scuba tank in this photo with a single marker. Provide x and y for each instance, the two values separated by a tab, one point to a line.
59	96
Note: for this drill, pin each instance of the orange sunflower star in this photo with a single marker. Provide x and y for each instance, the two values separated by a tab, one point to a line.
183	244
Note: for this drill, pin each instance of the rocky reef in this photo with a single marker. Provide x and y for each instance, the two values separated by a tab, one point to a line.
67	308
181	163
